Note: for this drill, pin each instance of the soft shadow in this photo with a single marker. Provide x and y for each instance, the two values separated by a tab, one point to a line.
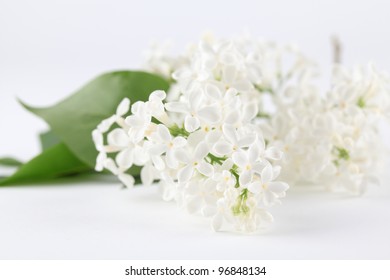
79	179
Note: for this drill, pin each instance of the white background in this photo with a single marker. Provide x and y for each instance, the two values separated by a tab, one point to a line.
48	49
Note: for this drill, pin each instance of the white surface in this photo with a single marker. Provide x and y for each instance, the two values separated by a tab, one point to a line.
48	49
98	220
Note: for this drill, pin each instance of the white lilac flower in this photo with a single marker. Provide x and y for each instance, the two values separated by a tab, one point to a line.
165	143
268	189
159	61
196	110
220	213
121	110
200	181
249	162
242	121
200	195
225	180
139	122
232	141
194	160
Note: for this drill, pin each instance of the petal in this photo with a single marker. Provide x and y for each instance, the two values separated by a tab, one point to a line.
134	121
201	151
178	107
205	168
221	187
261	143
105	125
249	112
163	133
255	187
230	133
97	138
267	173
180	74
123	107
242	85
125	159
147	175
273	153
253	153
166	178
210	114
171	160
169	192
228	164
185	174
179	142
195	98
157	95
269	198
223	148
110	165
137	135
192	188
216	223
277	187
156	108
138	108
118	138
127	180
158	163
229	74
230	94
213	136
181	155
213	91
196	137
191	123
245	178
101	158
259	166
157	149
221	203
277	170
210	62
247	140
232	117
240	158
140	156
228	57
266	216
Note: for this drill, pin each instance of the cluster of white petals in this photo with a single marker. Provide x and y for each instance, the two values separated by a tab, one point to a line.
204	151
240	113
332	140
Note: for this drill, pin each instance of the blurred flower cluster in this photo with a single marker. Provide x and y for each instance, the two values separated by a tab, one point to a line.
242	121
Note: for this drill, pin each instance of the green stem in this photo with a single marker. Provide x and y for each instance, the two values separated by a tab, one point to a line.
175	131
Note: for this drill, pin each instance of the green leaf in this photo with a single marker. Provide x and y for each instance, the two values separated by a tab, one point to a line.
7	161
48	139
73	119
54	162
